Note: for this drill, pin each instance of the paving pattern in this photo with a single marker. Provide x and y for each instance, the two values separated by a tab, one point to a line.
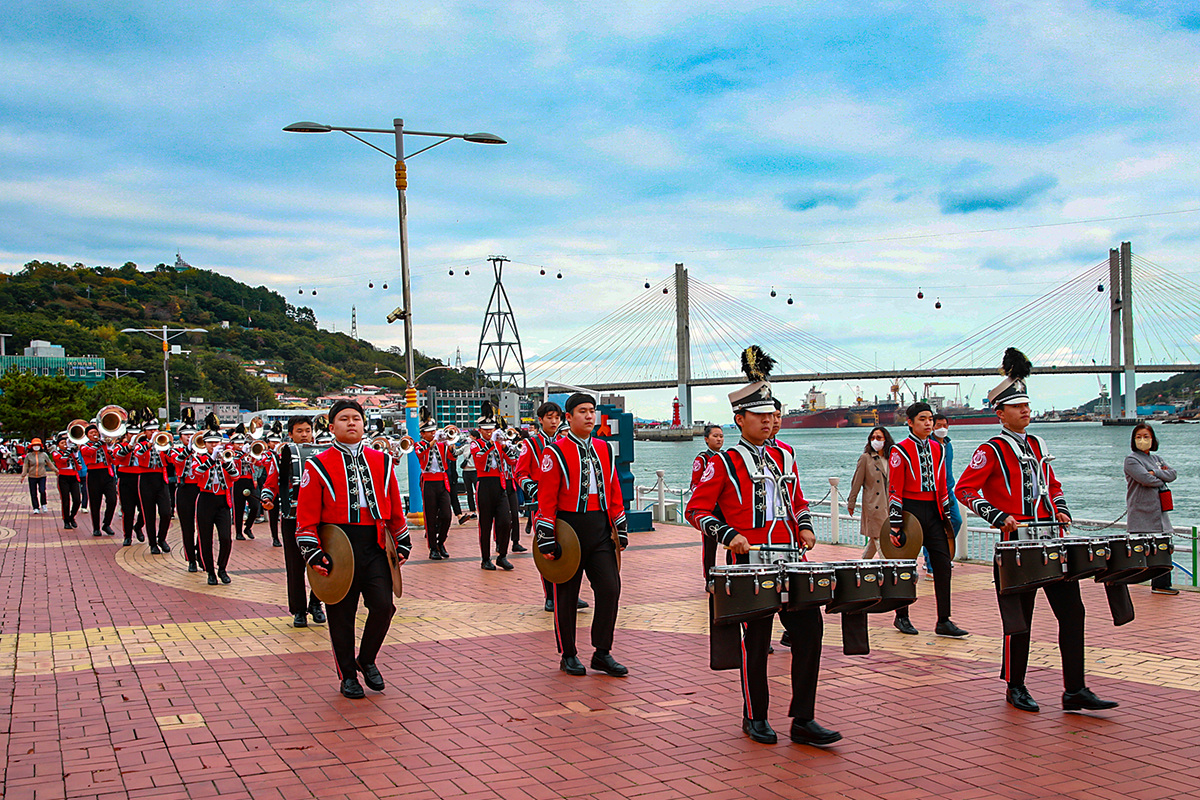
123	675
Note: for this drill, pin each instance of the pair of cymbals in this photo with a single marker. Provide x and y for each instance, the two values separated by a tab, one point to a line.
914	538
332	588
563	568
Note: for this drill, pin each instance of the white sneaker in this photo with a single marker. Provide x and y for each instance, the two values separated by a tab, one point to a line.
37	511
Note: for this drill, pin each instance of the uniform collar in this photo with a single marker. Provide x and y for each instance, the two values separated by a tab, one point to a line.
349	449
571	435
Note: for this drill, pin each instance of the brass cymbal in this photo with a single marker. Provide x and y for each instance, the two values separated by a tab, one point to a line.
914	538
563	568
333	587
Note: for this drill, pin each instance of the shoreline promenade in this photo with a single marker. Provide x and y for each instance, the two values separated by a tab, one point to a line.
122	675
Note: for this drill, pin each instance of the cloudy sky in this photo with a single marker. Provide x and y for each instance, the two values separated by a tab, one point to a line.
844	154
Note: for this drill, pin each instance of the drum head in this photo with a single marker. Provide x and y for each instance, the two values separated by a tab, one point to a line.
914	538
333	587
563	568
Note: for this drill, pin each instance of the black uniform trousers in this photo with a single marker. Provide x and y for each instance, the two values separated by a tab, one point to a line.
436	499
155	499
101	487
212	511
185	505
455	506
934	532
598	558
83	491
493	513
127	494
469	481
1067	606
242	502
68	493
293	563
373	582
514	511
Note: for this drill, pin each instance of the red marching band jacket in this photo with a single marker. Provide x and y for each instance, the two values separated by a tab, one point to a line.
731	497
560	487
698	465
325	498
484	451
424	451
96	455
64	462
147	459
122	459
913	467
214	477
1001	480
529	463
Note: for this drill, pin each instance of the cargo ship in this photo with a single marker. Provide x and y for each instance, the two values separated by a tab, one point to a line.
813	413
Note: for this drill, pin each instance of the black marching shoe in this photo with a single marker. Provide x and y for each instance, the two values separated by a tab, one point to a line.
127	542
759	730
352	689
435	555
212	579
503	563
141	537
317	612
1019	698
371	675
786	639
96	533
108	529
442	550
192	566
275	542
949	630
166	548
487	564
154	551
572	665
809	732
224	576
580	603
1086	700
249	533
904	625
240	536
549	605
604	662
66	524
520	548
300	620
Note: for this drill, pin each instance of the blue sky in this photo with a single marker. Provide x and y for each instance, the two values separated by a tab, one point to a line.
787	145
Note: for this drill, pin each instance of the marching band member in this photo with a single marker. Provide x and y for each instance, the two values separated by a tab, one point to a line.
1003	484
280	492
433	454
714	440
102	489
757	489
354	487
491	493
68	480
507	467
182	457
153	495
127	480
268	465
917	484
578	484
217	473
529	471
245	503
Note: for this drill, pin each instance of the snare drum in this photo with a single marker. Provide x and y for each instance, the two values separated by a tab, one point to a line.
1159	549
1024	565
857	586
1086	557
899	587
744	592
809	584
1126	558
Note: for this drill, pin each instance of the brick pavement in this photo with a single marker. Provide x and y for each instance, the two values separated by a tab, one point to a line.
122	675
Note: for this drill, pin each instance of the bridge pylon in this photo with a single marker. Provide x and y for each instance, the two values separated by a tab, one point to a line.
683	345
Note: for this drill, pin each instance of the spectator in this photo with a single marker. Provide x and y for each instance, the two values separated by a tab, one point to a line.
1146	476
36	464
871	478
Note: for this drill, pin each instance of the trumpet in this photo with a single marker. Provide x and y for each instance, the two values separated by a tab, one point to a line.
229	457
382	443
112	422
77	432
498	436
405	446
162	441
257	448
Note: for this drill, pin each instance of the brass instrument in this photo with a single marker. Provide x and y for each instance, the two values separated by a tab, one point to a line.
162	441
499	436
197	443
112	422
405	446
256	429
229	457
257	448
383	443
452	432
77	432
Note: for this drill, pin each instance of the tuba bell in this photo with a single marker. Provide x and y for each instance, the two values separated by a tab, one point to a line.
77	432
255	429
257	448
405	446
111	420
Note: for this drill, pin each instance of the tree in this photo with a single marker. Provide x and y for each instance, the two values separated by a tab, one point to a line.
38	405
127	393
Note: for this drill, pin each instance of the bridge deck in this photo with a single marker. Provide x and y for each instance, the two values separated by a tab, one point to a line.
125	676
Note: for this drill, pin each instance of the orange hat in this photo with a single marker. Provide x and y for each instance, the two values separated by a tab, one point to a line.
36	441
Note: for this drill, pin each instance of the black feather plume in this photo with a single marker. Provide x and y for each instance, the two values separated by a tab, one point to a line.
1015	364
485	410
188	417
212	422
756	364
425	415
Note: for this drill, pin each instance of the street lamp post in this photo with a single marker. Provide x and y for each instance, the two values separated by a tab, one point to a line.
117	373
405	313
165	335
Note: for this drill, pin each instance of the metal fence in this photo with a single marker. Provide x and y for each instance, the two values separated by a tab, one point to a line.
833	525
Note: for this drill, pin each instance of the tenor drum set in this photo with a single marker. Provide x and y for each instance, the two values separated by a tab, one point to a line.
1115	559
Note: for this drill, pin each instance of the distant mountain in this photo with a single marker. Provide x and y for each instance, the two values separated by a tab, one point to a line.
84	308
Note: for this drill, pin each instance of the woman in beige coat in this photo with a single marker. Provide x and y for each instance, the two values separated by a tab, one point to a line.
871	478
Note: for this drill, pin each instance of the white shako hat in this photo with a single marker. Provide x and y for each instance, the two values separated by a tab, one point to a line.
487	416
755	396
1015	368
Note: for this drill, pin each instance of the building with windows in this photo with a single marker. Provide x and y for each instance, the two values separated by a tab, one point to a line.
226	412
43	358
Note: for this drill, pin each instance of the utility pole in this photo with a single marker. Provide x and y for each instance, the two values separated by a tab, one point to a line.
501	361
354	322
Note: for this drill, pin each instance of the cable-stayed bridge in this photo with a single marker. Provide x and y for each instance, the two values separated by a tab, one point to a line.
682	332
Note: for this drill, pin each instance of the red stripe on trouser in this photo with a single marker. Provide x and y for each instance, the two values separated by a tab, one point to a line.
745	679
1007	658
557	632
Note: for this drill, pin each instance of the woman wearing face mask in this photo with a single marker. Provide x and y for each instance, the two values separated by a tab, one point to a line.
871	477
1146	476
36	465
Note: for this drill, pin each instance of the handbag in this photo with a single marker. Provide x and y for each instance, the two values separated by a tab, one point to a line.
1165	500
